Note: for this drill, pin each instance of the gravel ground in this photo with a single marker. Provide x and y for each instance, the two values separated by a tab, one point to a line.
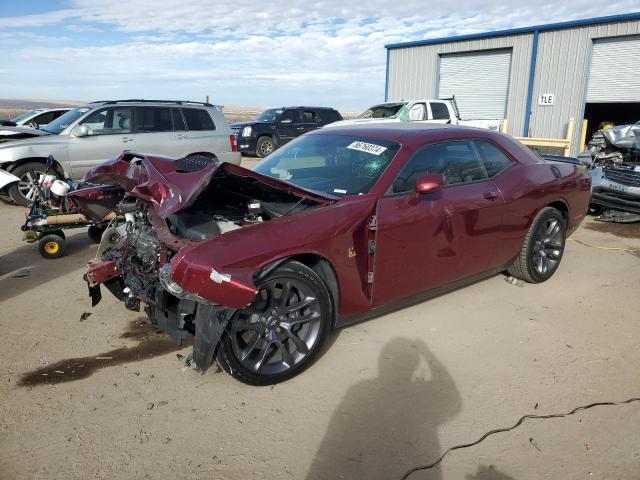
386	395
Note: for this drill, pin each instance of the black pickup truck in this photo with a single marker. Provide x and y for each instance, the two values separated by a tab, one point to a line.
276	126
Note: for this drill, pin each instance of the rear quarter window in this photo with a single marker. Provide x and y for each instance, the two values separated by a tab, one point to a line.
330	116
198	119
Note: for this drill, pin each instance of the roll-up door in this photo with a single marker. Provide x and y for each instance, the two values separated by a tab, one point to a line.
615	71
478	80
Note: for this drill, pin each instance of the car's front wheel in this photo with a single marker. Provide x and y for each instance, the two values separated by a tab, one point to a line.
543	247
283	329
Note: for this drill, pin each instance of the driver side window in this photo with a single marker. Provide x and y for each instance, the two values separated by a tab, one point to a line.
291	116
109	121
458	161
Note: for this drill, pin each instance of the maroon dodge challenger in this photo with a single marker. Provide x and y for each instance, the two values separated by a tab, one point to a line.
336	226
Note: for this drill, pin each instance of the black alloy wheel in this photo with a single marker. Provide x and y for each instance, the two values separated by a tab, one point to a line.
282	330
543	247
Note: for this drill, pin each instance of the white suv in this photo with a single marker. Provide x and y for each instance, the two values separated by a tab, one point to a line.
86	136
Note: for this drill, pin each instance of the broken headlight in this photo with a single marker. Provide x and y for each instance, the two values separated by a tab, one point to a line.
176	290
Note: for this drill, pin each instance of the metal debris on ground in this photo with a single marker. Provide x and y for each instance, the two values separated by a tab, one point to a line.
514	281
24	272
533	442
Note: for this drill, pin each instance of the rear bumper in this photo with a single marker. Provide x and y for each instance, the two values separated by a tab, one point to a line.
247	145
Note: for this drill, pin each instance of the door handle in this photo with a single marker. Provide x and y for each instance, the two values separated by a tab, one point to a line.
490	195
299	128
126	139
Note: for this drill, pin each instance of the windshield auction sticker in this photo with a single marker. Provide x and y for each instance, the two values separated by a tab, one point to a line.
367	147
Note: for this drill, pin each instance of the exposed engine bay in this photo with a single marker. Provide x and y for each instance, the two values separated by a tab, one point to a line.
613	158
134	257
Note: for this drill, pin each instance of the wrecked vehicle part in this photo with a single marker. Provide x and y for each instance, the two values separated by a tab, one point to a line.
173	214
613	159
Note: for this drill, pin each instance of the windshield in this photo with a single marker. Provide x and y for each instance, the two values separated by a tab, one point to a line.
22	116
63	121
382	111
269	115
334	164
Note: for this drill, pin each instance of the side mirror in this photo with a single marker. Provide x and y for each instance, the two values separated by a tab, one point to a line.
286	120
428	182
80	131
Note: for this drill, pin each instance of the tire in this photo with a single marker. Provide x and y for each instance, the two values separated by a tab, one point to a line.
253	348
95	233
52	246
543	247
265	146
17	190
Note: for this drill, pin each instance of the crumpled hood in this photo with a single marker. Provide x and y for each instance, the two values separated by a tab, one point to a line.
171	185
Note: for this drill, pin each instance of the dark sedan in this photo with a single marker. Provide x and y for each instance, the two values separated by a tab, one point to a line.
336	226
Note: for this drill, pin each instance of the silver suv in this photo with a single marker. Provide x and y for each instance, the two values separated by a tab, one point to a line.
89	135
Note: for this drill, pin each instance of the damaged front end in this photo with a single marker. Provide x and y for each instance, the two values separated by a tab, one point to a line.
154	260
613	159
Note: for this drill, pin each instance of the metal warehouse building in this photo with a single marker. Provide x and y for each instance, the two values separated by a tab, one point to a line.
536	77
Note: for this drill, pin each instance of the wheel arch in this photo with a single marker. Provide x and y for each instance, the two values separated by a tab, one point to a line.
562	207
56	165
320	265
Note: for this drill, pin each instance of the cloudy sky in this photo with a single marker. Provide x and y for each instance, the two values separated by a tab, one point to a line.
248	52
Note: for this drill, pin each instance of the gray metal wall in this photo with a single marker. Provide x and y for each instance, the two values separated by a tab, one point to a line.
564	58
413	71
562	68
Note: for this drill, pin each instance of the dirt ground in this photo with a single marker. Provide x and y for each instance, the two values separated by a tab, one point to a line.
387	395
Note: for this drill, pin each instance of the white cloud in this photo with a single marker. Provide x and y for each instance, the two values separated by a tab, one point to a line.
249	52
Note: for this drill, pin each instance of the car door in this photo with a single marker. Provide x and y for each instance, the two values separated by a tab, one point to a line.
108	133
289	125
154	131
424	242
310	120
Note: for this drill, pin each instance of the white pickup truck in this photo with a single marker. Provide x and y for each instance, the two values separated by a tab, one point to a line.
424	111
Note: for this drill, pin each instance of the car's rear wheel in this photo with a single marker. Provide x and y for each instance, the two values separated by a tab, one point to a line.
543	247
24	192
281	332
264	147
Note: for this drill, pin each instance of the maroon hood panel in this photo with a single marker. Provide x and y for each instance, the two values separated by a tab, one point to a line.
161	182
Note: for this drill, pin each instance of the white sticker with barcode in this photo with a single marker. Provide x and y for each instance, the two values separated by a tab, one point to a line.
367	147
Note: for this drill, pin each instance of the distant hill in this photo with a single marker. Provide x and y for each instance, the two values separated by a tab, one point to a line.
12	107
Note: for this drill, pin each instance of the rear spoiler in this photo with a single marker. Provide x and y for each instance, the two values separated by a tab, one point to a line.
560	158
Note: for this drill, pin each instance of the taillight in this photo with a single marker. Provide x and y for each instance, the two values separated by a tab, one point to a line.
234	143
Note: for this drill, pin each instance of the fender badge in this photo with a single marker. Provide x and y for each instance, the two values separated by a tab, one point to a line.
219	277
351	252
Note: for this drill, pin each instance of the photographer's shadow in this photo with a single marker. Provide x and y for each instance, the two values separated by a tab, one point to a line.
388	424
